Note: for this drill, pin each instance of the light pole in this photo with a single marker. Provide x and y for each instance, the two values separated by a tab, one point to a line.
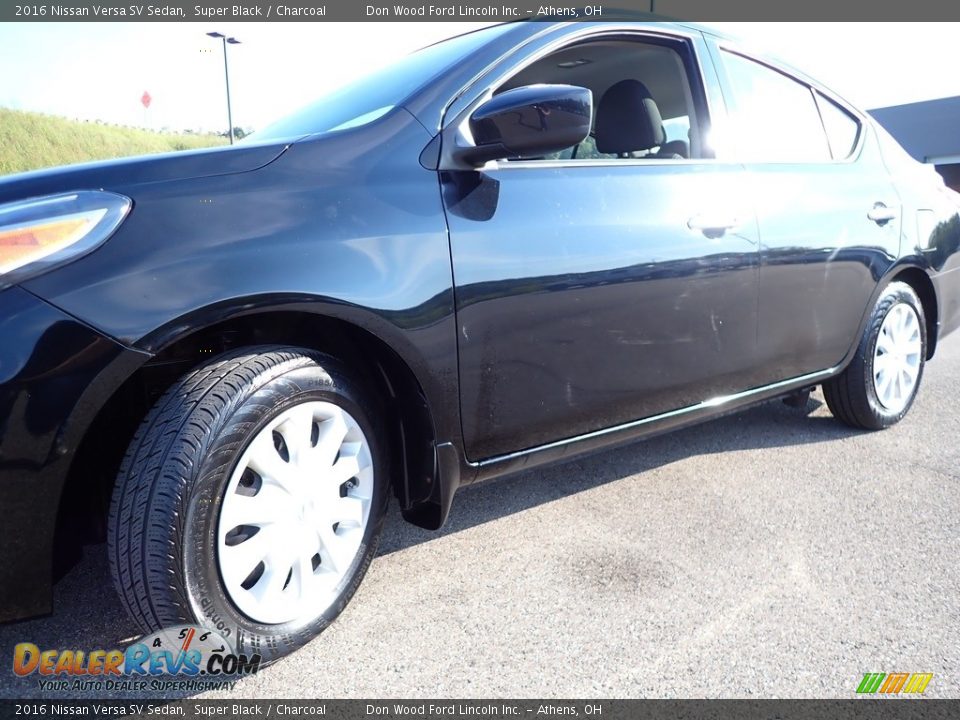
226	75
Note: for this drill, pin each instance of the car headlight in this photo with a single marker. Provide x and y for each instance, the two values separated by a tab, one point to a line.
39	233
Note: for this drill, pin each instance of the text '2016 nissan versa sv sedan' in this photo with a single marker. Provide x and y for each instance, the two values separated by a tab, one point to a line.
520	244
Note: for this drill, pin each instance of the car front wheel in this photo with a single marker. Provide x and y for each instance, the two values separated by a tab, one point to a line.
250	501
879	386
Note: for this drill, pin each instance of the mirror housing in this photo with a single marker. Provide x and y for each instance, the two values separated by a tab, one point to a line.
529	121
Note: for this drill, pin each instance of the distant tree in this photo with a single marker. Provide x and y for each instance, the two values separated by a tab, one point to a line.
239	133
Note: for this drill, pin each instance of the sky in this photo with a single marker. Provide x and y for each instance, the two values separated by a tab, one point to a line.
99	71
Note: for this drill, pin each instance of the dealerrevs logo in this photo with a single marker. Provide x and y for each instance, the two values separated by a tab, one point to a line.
185	657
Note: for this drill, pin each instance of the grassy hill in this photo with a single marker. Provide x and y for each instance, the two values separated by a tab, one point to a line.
29	141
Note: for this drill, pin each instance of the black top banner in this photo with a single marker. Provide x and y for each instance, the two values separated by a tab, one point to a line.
498	11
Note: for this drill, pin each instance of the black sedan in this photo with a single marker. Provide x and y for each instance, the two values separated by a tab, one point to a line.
520	244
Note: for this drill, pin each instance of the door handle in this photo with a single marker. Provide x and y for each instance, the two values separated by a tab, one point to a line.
707	222
882	214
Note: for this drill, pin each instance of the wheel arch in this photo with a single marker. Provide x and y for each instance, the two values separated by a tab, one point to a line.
912	271
185	343
922	285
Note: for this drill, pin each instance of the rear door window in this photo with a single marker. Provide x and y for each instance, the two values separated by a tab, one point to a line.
843	129
774	118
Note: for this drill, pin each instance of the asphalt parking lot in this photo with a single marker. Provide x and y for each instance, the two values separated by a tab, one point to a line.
774	553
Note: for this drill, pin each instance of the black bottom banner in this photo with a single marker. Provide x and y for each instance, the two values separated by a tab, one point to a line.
866	709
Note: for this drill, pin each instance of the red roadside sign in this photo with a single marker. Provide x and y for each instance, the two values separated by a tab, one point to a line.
145	99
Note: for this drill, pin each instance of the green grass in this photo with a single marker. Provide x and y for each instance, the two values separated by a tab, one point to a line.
29	141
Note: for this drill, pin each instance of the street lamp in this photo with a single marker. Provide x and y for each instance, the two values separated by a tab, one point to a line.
226	74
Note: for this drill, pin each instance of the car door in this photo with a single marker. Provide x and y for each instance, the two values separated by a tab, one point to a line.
595	291
828	213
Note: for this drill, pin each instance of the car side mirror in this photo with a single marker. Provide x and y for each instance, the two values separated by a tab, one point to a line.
529	121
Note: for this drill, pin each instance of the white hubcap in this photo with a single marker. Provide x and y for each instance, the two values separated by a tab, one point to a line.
294	514
896	361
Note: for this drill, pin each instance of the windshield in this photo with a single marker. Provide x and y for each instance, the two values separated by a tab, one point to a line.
369	98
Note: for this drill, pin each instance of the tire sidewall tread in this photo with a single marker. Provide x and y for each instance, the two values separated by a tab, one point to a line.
852	396
165	506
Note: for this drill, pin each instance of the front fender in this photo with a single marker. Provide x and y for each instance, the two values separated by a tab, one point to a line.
348	225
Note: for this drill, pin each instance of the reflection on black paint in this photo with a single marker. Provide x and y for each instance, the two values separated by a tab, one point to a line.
470	195
642	272
944	242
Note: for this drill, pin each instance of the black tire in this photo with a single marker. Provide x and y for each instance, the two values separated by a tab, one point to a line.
852	396
162	540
